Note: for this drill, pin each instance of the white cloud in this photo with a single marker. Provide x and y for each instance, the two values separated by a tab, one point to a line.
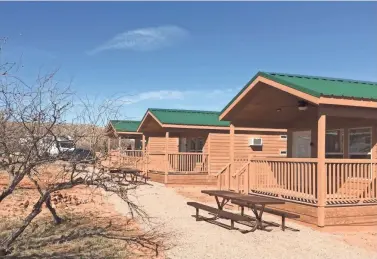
143	39
182	95
196	99
154	95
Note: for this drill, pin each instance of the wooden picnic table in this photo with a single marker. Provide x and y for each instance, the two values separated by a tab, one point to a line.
133	172
255	203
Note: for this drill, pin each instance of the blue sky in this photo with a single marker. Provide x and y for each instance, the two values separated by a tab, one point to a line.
187	55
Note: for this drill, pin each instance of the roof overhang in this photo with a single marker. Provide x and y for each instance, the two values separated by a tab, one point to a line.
315	100
110	130
148	115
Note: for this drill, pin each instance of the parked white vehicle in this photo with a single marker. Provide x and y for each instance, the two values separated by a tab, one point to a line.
52	146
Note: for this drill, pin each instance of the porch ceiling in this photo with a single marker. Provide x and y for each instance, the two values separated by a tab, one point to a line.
150	125
265	106
269	107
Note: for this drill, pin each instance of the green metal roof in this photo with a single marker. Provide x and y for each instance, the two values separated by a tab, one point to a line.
125	125
320	86
189	117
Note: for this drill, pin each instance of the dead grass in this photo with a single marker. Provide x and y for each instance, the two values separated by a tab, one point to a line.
91	229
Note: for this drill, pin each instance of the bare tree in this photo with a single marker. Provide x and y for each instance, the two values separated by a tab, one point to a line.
32	119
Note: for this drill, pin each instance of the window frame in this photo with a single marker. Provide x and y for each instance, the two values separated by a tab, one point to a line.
336	153
349	142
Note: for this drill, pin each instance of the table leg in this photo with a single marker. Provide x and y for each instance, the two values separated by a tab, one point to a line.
258	216
221	204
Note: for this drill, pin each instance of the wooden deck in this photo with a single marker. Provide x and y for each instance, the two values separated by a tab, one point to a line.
183	179
350	192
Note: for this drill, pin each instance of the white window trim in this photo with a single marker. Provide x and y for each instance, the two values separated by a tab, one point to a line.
349	138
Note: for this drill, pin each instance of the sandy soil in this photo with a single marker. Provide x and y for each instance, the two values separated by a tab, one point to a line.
191	239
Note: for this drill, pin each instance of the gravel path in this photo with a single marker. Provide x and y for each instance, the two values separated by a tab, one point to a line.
192	239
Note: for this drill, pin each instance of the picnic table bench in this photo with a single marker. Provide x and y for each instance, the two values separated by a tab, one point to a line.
251	201
218	213
283	214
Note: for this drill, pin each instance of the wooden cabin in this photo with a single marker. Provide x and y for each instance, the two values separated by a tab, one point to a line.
122	134
191	147
329	174
125	144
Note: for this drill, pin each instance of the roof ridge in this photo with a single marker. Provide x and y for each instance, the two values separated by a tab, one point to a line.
125	120
321	78
182	110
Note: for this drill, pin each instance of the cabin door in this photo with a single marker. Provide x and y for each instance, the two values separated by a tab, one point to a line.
301	144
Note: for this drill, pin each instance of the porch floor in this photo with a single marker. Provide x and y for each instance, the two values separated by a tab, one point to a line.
183	178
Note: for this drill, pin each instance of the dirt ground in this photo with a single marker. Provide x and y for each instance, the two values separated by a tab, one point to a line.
361	236
92	228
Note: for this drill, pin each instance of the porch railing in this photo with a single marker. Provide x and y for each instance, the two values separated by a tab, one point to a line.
132	153
188	162
348	181
180	163
287	178
351	181
132	158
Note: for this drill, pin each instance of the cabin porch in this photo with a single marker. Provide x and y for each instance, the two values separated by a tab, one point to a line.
329	174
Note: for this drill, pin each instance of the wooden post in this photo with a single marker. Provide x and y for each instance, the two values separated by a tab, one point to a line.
346	143
321	170
119	142
246	179
143	144
231	156
209	153
289	143
143	153
373	152
166	157
108	145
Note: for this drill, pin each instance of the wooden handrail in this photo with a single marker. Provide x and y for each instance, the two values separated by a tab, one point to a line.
222	170
312	160
284	159
241	169
350	161
187	153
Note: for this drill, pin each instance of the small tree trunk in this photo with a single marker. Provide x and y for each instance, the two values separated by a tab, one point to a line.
14	180
9	189
6	244
57	219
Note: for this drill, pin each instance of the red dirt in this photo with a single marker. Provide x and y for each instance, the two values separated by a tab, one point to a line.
80	202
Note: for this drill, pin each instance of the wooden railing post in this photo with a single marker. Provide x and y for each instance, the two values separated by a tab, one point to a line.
166	157
108	145
321	171
231	156
143	154
246	179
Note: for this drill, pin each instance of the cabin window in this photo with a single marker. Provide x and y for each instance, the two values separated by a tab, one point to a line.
334	143
283	137
360	143
192	144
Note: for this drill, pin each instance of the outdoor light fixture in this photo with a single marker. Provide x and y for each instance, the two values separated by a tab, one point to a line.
278	109
302	105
